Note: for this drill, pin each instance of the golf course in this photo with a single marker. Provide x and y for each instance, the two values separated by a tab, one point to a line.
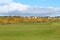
30	31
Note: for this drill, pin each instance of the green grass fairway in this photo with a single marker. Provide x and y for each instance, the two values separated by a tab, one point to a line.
39	31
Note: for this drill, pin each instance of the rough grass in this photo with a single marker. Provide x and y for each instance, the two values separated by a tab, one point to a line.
38	31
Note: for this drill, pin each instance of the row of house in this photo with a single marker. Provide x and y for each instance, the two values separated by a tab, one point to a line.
57	17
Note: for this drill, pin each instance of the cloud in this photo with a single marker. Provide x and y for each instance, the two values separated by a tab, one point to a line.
18	7
4	2
4	9
13	8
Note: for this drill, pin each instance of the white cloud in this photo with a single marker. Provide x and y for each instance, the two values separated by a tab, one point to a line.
4	9
14	7
24	9
5	1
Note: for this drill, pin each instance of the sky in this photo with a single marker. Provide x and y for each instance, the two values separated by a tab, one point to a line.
42	3
30	7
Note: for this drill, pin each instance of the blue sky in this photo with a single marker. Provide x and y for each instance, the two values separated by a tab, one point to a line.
30	7
43	3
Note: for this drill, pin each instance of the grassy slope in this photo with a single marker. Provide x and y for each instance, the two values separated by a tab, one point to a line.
30	31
